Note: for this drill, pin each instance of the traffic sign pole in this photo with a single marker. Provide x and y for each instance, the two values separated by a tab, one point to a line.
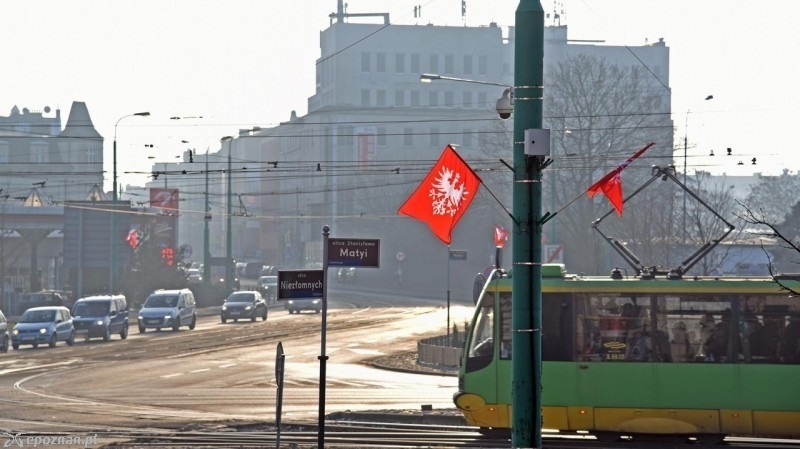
326	232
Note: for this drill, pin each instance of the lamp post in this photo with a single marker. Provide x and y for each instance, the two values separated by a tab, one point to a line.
228	235
206	239
137	114
112	276
685	148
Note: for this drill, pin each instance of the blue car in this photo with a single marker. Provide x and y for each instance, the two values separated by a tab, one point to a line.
43	325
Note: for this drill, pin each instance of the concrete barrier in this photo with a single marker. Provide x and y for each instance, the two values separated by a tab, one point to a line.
438	351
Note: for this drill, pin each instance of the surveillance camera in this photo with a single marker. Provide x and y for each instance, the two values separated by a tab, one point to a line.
504	105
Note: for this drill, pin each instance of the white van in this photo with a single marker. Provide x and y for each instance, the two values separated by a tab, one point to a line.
168	308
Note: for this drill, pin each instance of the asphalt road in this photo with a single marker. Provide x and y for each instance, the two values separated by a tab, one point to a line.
225	373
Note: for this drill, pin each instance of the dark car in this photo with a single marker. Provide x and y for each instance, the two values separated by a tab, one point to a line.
44	298
101	317
5	338
248	304
298	305
41	325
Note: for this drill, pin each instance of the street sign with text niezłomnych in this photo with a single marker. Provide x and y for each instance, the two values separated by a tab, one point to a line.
362	253
298	284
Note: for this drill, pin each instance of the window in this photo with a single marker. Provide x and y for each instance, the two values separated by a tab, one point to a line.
380	63
466	100
435	137
415	98
415	63
365	63
482	102
408	137
449	101
467	64
5	148
40	153
433	98
466	138
365	97
433	63
399	98
483	65
93	156
380	139
400	63
449	64
380	98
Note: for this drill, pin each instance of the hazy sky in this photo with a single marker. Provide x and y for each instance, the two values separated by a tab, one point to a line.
245	63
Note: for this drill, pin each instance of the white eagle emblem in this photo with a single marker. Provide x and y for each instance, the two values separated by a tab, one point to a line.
447	192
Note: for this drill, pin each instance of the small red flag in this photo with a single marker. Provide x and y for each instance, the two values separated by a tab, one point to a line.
500	236
611	184
444	195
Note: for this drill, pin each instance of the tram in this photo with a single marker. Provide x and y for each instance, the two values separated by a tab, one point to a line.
699	357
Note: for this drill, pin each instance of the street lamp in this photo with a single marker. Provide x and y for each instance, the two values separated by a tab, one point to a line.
685	148
228	235
137	114
112	276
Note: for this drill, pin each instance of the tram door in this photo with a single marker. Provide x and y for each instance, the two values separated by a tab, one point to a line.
504	365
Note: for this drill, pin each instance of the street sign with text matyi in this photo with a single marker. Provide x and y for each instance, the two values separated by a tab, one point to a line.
364	253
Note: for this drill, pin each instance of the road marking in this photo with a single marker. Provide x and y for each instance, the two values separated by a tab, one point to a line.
200	370
227	365
167	376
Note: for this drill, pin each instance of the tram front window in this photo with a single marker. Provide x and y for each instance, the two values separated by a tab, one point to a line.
482	342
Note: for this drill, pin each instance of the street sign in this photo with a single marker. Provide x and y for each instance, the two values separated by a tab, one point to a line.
364	253
458	254
297	284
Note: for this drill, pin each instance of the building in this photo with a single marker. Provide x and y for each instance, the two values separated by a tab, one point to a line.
371	132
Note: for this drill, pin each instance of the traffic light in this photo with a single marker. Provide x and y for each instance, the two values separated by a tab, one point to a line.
168	255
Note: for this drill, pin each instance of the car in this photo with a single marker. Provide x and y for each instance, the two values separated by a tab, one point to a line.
346	275
44	298
247	304
194	276
268	286
5	338
168	308
298	305
101	317
40	325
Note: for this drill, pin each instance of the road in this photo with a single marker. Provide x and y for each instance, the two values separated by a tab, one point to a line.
219	373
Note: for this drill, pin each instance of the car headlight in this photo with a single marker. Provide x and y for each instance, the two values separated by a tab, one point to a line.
43	331
100	322
224	307
141	317
15	332
248	307
168	316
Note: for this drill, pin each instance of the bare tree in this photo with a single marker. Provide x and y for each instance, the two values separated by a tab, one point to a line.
599	115
771	195
789	241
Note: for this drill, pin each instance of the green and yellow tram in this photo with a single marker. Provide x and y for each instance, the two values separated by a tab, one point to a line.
697	357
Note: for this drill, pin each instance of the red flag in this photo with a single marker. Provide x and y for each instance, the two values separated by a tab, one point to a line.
611	184
500	236
444	195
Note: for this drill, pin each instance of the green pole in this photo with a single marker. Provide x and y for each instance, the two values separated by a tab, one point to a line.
526	424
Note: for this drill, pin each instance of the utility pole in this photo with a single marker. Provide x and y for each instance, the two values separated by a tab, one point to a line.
206	240
526	424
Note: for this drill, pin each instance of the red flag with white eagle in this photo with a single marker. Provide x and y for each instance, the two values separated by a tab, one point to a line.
444	195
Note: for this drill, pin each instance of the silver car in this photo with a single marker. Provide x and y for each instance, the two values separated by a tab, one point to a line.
168	308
